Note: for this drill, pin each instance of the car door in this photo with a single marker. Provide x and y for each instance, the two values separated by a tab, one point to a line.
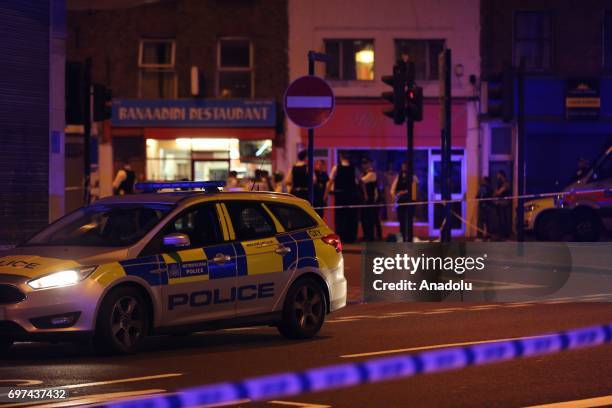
201	277
265	256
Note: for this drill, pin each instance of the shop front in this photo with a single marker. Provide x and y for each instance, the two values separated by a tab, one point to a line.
359	129
193	139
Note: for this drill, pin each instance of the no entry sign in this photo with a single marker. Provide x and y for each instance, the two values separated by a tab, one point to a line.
309	102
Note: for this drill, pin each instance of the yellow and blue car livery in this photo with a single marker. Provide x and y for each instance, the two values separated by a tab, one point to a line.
159	262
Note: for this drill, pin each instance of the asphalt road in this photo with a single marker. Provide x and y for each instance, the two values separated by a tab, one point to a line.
355	333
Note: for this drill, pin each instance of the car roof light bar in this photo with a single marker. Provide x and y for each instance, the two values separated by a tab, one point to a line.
207	186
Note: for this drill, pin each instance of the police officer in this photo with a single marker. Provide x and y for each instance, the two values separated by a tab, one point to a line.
297	178
320	184
369	215
124	180
344	184
399	191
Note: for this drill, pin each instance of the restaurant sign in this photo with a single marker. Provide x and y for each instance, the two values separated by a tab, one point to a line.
194	113
582	100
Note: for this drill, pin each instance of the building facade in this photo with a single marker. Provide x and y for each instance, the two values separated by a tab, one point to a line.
195	85
32	117
365	39
565	48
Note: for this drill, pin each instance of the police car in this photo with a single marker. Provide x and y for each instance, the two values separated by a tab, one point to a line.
173	261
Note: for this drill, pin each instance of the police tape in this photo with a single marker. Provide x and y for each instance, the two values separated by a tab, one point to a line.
374	370
606	191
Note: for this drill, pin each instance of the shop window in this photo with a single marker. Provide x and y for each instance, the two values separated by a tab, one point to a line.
387	163
424	54
235	68
157	75
607	40
501	141
533	40
350	59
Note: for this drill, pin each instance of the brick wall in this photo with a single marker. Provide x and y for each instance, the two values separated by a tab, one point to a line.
577	34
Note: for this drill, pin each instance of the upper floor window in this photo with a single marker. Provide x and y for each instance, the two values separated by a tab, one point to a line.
157	74
607	40
533	40
350	59
424	54
235	68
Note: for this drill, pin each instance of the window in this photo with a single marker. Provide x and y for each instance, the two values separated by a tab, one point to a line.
533	40
250	220
291	217
607	40
424	54
501	140
235	68
114	225
351	59
156	60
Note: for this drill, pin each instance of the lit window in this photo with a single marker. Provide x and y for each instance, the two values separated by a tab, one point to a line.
235	68
157	75
351	59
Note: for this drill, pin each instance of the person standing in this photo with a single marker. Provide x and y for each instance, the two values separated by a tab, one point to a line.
320	183
124	180
484	208
343	183
297	178
369	215
504	210
232	180
399	191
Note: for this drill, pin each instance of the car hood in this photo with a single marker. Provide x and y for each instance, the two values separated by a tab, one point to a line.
35	261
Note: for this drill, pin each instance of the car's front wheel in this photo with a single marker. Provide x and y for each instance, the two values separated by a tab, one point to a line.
123	322
304	310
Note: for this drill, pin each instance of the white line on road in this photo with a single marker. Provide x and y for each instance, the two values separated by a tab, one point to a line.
404	350
584	403
123	380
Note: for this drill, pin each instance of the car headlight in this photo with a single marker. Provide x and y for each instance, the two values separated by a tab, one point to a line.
62	278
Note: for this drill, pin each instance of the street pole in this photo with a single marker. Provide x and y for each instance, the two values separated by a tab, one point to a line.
410	158
87	117
520	210
311	61
445	233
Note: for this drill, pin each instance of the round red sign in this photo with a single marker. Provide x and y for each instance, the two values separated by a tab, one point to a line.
309	102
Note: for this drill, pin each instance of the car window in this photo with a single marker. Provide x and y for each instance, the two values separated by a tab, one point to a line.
113	225
291	217
250	220
200	223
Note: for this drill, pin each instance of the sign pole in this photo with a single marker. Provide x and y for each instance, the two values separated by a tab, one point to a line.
87	119
410	158
520	214
311	61
445	233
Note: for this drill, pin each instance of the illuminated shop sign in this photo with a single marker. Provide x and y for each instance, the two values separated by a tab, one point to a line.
194	113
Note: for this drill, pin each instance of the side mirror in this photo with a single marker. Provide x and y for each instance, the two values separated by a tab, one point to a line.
177	240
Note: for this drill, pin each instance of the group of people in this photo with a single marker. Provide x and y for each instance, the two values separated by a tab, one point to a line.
495	212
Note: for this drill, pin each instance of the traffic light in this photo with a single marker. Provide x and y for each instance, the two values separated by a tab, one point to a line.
102	103
398	97
414	104
500	95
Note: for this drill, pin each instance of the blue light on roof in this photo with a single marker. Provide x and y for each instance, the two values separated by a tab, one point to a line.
211	186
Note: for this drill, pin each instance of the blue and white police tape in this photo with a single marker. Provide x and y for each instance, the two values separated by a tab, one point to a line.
374	370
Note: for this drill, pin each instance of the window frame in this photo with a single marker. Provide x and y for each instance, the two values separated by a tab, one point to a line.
250	69
550	40
172	63
341	41
266	215
428	41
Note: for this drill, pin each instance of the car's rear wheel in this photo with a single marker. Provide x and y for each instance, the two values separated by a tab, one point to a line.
123	322
587	227
304	310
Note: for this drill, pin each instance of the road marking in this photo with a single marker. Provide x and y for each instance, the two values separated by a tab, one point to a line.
403	350
86	399
21	382
584	403
299	404
123	380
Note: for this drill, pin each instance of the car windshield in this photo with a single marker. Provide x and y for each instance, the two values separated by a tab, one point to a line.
113	225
